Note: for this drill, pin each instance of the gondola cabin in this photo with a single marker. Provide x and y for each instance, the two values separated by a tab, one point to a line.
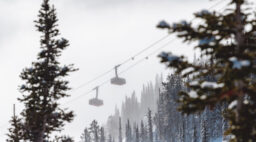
117	80
95	101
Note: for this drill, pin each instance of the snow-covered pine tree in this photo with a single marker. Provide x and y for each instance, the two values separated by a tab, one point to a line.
86	137
160	116
231	64
158	119
44	81
16	132
172	118
95	131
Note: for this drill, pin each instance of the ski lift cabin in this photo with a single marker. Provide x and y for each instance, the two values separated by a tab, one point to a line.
117	80
95	101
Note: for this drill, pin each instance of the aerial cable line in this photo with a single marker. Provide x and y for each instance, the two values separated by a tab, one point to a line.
133	57
216	4
137	54
103	74
142	51
122	72
124	62
147	57
94	79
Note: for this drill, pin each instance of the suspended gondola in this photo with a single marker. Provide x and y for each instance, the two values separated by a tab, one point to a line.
96	101
117	80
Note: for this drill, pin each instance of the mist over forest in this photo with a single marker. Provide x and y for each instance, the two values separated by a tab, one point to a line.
92	77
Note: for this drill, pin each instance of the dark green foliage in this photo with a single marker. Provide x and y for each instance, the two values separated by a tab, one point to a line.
231	64
44	82
172	125
16	131
63	139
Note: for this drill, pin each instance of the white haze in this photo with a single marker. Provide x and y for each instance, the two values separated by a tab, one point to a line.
102	34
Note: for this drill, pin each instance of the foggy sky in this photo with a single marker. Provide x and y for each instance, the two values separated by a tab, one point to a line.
102	34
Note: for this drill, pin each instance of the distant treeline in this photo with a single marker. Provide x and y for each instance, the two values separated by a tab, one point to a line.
156	117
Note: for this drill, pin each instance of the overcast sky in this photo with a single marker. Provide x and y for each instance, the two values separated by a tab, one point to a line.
102	34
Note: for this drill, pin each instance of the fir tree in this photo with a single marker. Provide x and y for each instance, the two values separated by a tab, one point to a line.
16	132
128	132
95	130
102	135
44	82
143	132
86	137
183	130
204	136
231	64
159	116
120	138
150	126
63	139
137	135
194	136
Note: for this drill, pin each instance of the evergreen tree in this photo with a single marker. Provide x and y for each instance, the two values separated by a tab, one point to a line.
128	132
16	132
150	126
231	65
95	130
113	123
137	135
102	135
194	136
159	116
143	132
225	136
44	82
86	137
120	138
183	130
204	136
63	139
